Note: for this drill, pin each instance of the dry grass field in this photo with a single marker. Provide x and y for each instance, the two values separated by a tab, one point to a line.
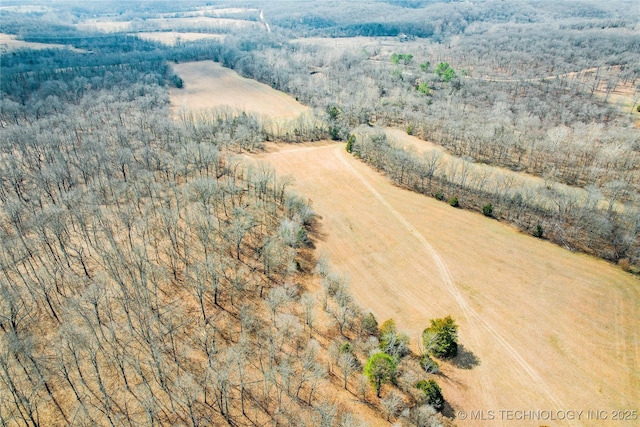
25	9
208	85
379	48
8	43
542	328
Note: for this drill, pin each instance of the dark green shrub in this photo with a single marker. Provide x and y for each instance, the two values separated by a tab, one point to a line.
454	202
176	81
538	231
487	210
432	393
334	132
441	338
370	324
333	112
350	142
346	347
440	195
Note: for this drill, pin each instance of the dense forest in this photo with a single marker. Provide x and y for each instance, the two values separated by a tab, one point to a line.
151	275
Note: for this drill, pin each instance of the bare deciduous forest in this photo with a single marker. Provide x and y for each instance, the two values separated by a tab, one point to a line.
150	274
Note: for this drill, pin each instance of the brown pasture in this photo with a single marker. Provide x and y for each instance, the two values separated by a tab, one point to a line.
548	329
208	85
208	10
8	42
377	48
25	9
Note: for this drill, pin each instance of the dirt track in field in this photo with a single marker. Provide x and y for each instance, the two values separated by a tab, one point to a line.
542	328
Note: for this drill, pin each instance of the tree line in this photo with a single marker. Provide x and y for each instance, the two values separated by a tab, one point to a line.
569	217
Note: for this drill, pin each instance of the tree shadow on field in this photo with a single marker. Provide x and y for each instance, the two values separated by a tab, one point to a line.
315	229
448	410
465	358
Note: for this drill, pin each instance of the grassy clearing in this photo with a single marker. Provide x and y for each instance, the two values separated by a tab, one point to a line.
497	176
8	42
208	85
528	309
209	10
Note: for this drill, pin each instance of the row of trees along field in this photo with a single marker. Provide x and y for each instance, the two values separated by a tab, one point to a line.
538	107
149	276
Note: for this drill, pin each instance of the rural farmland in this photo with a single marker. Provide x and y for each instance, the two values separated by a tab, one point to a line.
295	213
210	86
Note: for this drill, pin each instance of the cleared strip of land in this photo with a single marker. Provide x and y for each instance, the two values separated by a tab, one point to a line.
9	42
550	329
208	85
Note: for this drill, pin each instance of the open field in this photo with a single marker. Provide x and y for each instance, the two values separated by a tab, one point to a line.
208	85
551	329
351	43
8	43
171	38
